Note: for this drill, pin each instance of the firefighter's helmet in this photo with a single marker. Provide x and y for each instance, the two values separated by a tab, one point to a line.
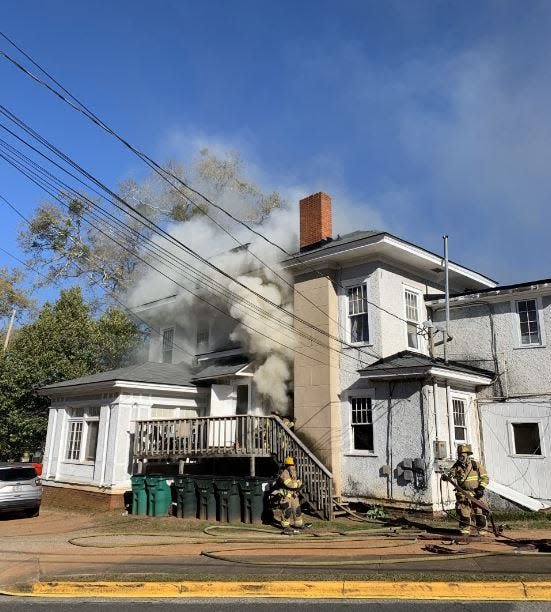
464	448
289	461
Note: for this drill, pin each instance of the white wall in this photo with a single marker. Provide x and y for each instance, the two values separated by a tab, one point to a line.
528	475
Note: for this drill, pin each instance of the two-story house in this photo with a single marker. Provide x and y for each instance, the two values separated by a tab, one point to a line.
505	329
375	414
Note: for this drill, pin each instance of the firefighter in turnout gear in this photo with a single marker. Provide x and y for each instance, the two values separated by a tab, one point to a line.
288	487
472	478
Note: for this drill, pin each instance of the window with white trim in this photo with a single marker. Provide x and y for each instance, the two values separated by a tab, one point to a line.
526	439
358	320
203	333
361	422
82	435
527	311
411	299
168	344
459	408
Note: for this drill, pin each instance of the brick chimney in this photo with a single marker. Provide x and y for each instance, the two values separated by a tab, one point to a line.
316	224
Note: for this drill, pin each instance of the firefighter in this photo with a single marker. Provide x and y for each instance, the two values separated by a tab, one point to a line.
472	477
287	492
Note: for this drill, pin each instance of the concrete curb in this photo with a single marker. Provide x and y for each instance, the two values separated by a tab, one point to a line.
467	591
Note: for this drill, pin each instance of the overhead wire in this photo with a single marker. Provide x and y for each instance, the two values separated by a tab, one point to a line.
196	295
82	108
137	215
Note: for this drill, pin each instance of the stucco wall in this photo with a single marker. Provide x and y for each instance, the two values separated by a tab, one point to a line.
528	475
521	369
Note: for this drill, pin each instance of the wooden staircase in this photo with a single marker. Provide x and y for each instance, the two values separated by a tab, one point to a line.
236	436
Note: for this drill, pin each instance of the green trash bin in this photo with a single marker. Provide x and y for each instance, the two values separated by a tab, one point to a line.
206	501
252	500
228	503
186	497
159	496
139	495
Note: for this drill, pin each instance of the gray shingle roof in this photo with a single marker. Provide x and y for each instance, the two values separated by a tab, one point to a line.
148	372
218	368
408	359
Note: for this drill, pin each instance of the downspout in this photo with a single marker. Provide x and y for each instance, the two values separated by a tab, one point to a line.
104	452
434	407
480	432
52	441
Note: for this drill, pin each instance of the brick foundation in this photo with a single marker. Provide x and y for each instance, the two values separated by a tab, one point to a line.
70	497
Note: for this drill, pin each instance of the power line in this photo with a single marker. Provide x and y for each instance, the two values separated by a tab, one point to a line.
137	215
82	108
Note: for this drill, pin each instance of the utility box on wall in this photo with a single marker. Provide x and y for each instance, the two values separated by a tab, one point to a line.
440	449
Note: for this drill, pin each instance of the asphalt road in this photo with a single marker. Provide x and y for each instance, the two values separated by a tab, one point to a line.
9	604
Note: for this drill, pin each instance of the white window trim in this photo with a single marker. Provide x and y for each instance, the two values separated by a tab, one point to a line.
512	449
163	330
346	285
420	304
465	397
516	322
85	419
357	394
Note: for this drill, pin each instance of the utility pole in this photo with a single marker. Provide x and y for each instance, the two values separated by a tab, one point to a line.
446	331
8	333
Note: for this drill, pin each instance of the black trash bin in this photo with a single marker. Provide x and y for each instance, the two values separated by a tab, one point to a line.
252	500
186	497
228	503
206	501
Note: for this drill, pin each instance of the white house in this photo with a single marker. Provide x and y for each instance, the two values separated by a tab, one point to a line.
376	415
506	329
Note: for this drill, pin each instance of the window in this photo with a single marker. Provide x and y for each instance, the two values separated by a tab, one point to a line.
526	438
75	439
528	319
202	335
412	317
357	314
168	344
82	435
362	423
459	419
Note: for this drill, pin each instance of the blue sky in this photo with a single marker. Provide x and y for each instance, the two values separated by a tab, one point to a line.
422	118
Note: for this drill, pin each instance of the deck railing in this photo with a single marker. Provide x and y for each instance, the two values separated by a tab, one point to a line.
245	436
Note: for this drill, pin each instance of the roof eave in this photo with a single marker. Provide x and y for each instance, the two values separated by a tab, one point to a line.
439	373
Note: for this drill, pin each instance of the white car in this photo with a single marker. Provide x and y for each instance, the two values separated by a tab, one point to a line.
20	488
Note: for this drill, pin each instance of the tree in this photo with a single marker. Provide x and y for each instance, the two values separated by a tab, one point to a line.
65	341
11	296
61	242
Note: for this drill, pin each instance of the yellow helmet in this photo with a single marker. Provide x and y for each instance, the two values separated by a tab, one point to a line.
464	448
289	461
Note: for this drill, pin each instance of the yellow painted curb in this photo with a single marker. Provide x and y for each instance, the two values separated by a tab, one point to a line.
480	591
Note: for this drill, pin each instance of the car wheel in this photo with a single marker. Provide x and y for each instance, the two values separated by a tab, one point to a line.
32	512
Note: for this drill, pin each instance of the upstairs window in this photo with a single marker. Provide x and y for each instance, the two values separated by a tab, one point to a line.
529	323
168	345
357	314
411	299
362	424
459	419
203	334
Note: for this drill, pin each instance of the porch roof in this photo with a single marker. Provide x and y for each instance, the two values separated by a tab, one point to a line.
149	373
222	367
408	364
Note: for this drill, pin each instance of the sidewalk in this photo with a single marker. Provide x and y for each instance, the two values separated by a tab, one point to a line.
56	553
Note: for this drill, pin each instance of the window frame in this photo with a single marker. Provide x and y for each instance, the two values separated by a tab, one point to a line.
163	350
467	400
202	327
83	417
419	295
512	445
539	318
345	306
350	407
